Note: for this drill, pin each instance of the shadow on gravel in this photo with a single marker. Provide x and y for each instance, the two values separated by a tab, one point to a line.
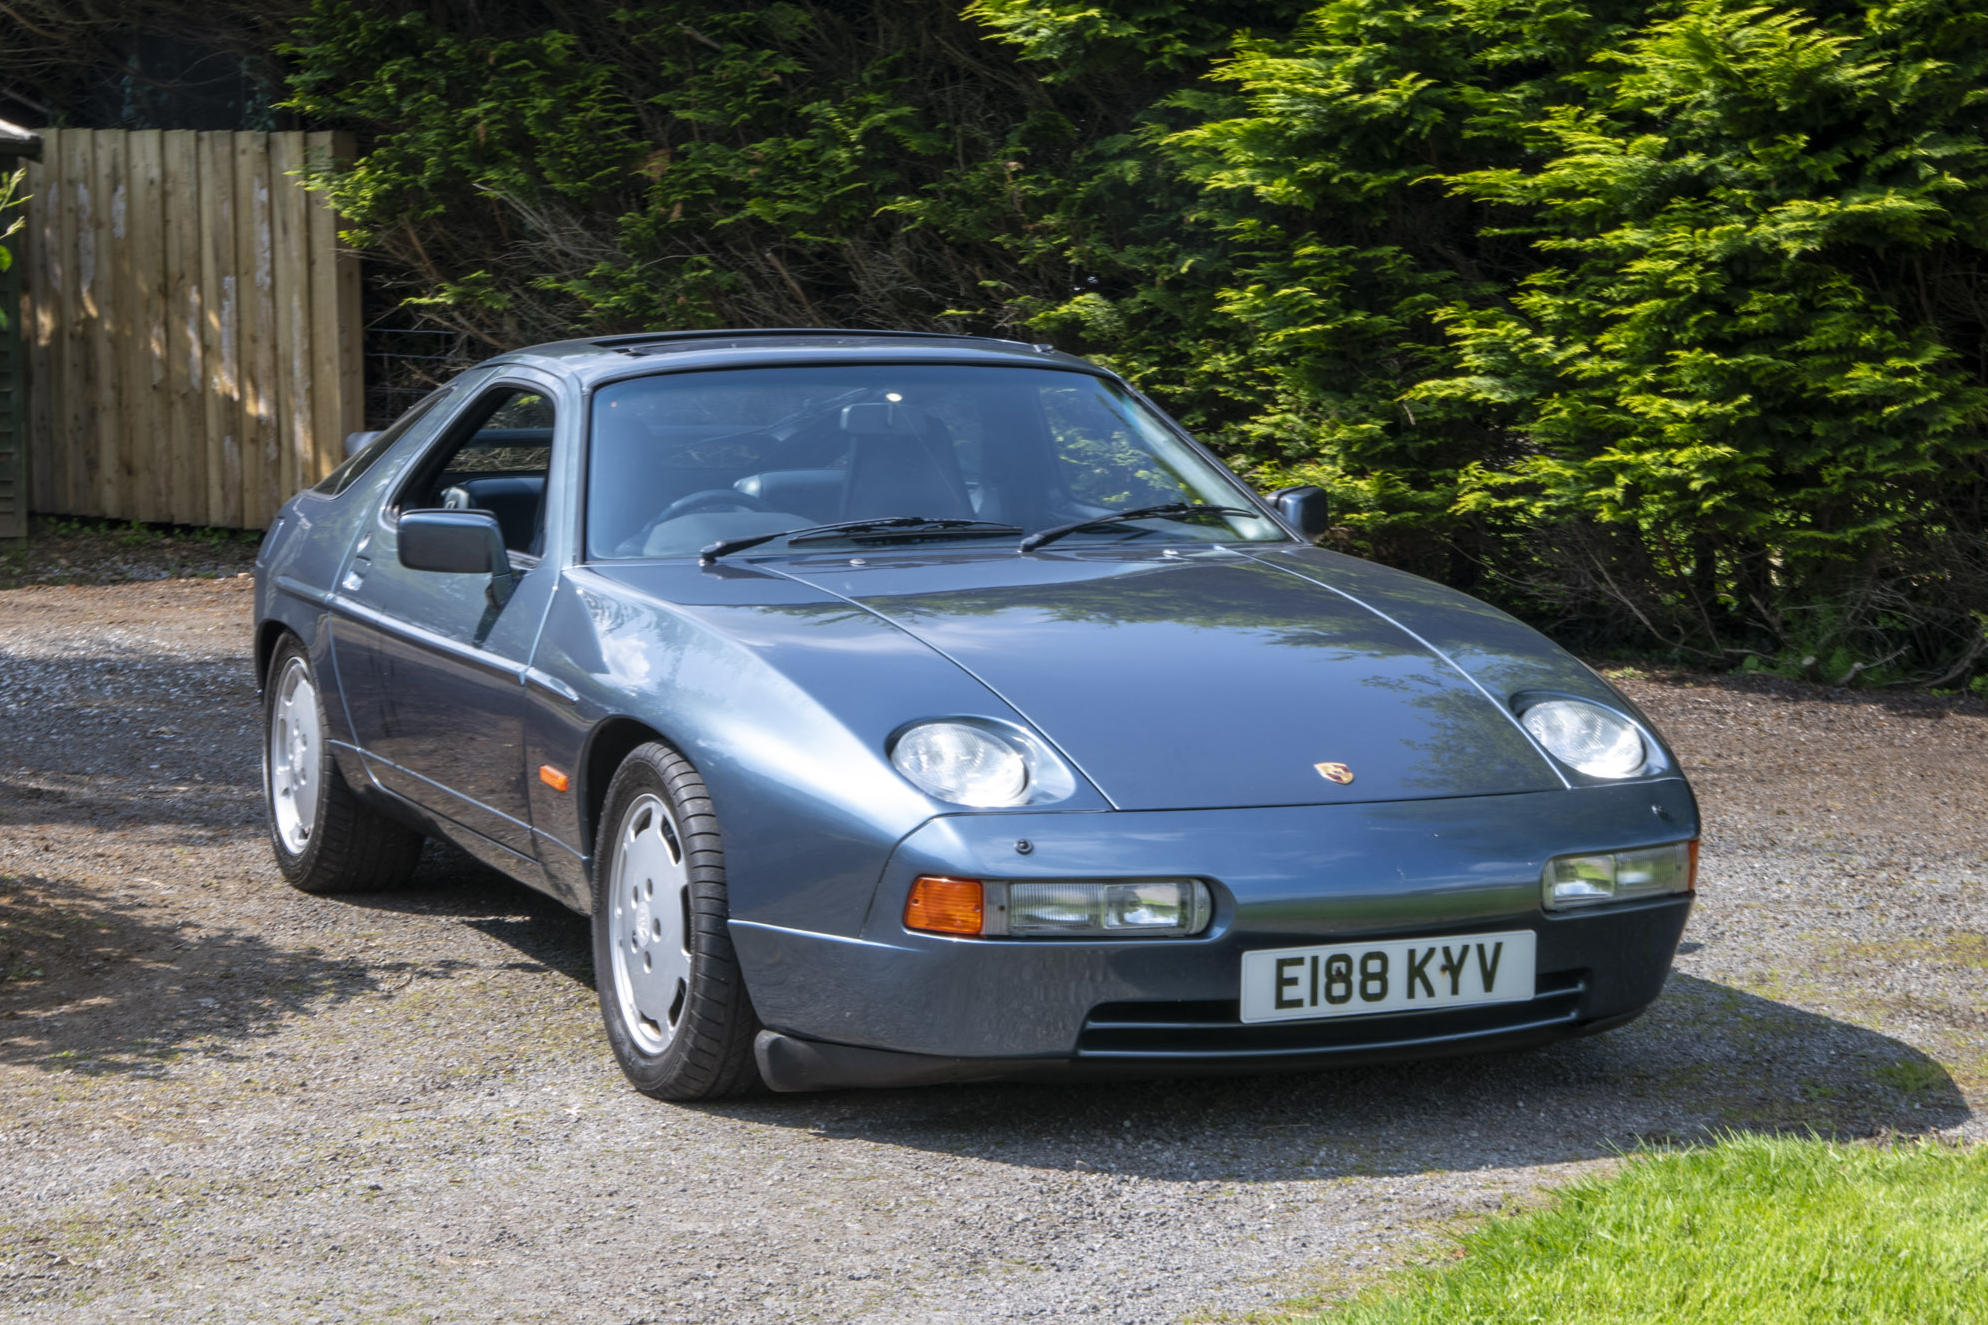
451	884
200	809
1706	1059
104	988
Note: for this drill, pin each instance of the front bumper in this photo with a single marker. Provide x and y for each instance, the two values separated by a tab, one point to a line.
894	1007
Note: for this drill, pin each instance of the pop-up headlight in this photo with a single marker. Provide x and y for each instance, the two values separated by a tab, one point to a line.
1595	740
967	765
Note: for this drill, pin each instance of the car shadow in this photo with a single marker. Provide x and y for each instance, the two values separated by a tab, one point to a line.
1706	1060
454	885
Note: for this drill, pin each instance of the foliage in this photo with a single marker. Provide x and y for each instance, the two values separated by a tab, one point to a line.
1657	323
1754	1231
12	195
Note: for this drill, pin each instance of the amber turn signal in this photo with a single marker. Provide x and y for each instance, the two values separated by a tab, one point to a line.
552	777
939	905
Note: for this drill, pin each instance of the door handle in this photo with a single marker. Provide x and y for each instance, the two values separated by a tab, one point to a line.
355	574
551	685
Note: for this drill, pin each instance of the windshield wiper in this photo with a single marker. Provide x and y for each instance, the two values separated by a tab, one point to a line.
1171	509
884	526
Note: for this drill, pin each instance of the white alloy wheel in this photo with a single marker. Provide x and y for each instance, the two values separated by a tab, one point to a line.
295	754
648	923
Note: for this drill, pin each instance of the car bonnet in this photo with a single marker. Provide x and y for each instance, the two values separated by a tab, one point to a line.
1204	678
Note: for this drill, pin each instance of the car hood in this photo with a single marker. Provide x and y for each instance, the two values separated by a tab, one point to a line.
1216	679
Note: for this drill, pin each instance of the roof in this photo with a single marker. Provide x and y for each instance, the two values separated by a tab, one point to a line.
602	358
16	141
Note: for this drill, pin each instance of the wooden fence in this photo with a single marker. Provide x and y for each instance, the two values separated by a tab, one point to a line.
192	325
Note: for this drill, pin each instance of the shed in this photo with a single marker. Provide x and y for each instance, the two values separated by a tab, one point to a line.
16	144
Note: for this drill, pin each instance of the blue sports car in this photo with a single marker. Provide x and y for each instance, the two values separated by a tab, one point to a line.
912	708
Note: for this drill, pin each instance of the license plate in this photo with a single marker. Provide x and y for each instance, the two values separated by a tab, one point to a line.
1398	975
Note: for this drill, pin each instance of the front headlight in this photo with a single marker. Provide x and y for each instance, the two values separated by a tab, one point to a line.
1587	737
963	764
1616	876
1001	908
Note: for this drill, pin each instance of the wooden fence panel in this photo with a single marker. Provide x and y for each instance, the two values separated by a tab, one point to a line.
192	325
255	258
186	488
220	333
108	302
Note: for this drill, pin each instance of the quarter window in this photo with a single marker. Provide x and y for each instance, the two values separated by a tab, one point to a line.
362	460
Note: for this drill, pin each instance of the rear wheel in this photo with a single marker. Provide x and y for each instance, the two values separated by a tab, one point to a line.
674	1003
326	839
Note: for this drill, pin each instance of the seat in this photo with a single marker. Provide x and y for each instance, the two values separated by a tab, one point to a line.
516	500
899	465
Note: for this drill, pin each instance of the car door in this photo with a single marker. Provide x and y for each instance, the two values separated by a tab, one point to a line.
431	664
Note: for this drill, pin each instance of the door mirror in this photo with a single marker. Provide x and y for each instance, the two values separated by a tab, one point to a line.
1306	509
457	543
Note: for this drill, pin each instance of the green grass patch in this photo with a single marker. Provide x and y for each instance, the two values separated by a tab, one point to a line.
1754	1231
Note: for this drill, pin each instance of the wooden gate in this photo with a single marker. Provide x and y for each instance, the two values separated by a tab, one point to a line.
192	325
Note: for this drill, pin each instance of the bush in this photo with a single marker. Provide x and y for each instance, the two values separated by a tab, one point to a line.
1663	325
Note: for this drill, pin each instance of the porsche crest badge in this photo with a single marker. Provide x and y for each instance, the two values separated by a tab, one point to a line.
1335	773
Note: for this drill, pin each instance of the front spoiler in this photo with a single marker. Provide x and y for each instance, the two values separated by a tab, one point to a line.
788	1063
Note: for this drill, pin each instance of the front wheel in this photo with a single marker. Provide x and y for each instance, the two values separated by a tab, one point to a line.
676	1009
326	839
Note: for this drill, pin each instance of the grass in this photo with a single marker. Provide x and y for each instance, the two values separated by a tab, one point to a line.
1757	1230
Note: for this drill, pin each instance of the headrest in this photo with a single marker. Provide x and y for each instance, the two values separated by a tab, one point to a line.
880	418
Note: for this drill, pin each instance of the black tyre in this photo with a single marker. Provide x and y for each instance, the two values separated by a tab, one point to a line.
326	839
675	1005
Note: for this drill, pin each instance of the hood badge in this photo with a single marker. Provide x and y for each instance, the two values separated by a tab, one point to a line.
1335	773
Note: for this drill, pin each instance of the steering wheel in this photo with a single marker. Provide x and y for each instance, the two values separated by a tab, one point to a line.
710	499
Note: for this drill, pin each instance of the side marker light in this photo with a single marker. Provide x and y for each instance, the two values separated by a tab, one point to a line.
553	778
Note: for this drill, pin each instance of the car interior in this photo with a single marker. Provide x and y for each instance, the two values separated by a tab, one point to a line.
499	467
672	469
863	460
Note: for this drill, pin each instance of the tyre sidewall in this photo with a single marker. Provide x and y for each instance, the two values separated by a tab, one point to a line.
296	866
674	1072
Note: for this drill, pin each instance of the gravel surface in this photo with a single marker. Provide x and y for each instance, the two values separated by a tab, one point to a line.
220	1099
59	551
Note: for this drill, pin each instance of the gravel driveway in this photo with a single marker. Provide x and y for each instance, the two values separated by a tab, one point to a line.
220	1099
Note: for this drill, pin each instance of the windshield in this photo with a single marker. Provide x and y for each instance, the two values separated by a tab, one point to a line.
681	461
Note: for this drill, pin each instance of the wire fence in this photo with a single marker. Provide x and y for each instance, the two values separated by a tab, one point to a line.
403	364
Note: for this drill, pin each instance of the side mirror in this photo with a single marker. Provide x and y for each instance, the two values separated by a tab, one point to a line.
1306	509
355	442
457	543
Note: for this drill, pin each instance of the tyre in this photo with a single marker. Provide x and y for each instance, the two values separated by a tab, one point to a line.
677	1013
326	839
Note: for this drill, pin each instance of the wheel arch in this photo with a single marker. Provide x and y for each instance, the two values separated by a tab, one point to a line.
268	637
611	742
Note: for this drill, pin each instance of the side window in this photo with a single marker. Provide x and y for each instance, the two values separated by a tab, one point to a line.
497	461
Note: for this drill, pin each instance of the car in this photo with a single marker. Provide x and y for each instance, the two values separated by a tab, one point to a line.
908	708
